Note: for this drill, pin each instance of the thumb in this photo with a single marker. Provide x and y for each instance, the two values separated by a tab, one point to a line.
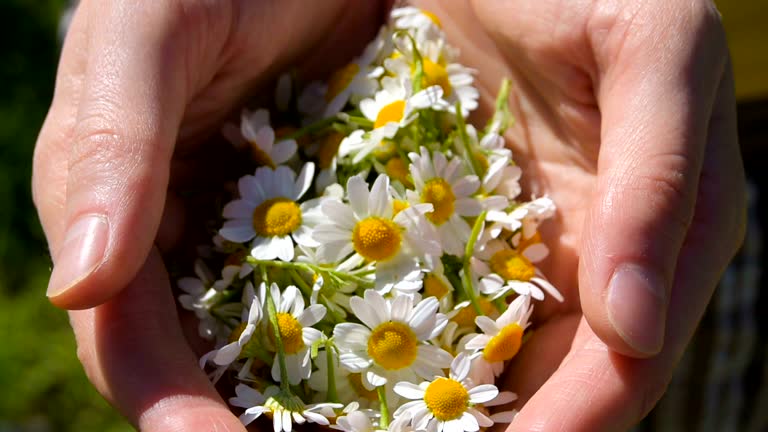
128	114
656	99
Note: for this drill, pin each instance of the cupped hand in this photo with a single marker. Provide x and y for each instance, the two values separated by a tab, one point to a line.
626	118
140	85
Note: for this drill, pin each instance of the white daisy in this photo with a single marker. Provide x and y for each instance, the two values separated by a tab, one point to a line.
391	344
296	332
367	229
393	107
269	212
256	130
284	408
454	79
242	334
443	184
503	269
500	340
447	403
201	297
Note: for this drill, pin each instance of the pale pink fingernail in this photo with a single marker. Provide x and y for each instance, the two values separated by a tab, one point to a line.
80	254
637	307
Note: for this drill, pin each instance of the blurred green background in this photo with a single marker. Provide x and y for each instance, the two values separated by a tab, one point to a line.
42	385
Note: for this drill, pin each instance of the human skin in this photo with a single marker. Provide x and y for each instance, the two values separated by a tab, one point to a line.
625	117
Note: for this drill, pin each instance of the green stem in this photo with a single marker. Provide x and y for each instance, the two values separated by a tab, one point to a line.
305	289
360	121
466	276
500	304
501	113
284	385
332	395
383	407
461	126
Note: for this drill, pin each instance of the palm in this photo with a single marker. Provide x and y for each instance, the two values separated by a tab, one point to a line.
555	140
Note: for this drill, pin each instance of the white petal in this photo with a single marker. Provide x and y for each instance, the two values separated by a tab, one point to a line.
504	417
312	315
409	390
365	312
227	354
238	209
283	247
354	362
238	230
483	393
378	200
351	336
401	306
358	195
536	252
487	325
304	180
283	151
373	379
549	288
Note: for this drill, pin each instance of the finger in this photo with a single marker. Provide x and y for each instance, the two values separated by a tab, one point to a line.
598	389
144	367
656	96
129	111
51	158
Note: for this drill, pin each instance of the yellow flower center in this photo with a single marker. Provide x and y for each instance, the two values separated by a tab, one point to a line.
398	206
432	17
290	332
376	239
392	112
276	217
356	382
435	74
392	345
505	344
466	316
511	265
434	286
328	149
340	79
446	398
397	169
438	193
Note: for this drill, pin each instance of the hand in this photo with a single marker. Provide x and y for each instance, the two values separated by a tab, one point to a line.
139	87
626	118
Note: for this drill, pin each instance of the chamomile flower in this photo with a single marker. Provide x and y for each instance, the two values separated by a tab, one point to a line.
500	341
454	79
447	404
294	323
503	269
367	229
269	212
443	184
391	344
259	134
285	408
242	334
201	297
393	107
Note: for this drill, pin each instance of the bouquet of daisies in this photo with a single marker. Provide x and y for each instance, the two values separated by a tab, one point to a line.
375	271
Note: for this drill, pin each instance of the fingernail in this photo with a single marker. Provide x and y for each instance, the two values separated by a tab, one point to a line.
81	253
637	307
